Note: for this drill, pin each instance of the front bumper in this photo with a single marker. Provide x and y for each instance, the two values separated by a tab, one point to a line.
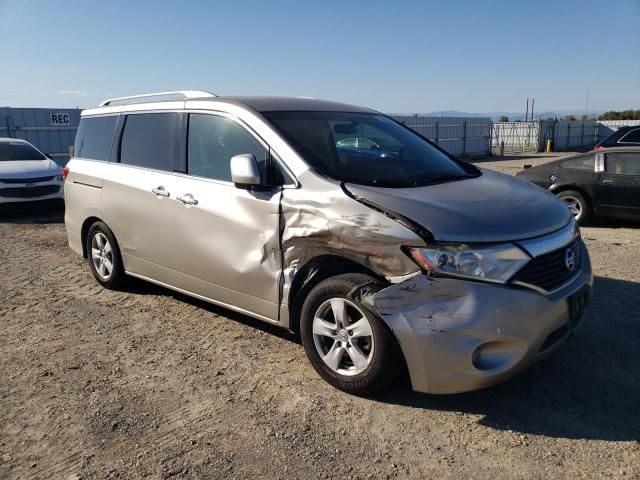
459	335
34	192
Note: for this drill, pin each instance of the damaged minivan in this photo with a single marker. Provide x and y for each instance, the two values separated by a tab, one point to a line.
383	252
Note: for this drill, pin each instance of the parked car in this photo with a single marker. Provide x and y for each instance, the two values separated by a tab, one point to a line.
602	183
628	136
415	260
27	174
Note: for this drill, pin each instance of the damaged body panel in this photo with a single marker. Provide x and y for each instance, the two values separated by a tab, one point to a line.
459	335
322	220
476	214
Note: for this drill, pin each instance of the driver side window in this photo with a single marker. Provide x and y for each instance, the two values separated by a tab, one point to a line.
213	140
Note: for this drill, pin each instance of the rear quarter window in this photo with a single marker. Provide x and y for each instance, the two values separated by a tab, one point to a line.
94	137
582	163
632	136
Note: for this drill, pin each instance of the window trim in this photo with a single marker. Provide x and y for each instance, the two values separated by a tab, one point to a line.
116	143
606	165
625	135
292	180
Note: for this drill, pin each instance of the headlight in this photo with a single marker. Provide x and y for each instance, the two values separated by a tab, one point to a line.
494	263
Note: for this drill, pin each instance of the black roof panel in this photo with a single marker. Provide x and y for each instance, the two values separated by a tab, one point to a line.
291	104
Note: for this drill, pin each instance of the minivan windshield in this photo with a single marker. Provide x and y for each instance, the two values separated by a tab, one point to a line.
11	151
367	149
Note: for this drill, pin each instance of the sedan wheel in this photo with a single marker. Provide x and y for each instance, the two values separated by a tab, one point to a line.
578	205
574	206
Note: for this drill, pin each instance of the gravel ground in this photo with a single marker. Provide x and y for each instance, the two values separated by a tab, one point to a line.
147	383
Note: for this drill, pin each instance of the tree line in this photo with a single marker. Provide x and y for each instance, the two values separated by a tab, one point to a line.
622	115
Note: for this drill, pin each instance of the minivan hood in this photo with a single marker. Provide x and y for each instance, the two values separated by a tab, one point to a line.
28	168
493	207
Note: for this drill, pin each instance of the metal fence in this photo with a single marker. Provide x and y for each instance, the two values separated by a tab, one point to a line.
515	136
574	135
461	136
533	136
52	130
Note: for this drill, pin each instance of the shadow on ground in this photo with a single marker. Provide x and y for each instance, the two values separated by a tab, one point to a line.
613	223
590	388
23	213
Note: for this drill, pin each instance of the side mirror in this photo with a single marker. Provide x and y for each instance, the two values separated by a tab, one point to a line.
244	171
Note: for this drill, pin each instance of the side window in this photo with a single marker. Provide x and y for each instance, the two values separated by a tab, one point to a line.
623	163
582	163
94	137
213	140
631	137
151	140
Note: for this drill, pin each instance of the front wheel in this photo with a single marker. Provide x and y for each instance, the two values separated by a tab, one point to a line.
344	340
577	204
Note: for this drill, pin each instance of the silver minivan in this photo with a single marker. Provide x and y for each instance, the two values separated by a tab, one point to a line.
383	252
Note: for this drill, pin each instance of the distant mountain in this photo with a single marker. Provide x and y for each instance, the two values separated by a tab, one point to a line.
513	116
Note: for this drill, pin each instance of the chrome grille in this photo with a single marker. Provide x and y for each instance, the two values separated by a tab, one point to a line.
29	192
27	180
549	271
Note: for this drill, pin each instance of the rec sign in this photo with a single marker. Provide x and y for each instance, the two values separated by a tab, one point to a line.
59	119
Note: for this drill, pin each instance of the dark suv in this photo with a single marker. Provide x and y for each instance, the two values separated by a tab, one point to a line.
628	136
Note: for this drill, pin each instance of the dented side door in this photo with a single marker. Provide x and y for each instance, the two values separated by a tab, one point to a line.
228	246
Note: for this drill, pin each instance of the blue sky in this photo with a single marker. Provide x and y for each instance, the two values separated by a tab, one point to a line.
395	56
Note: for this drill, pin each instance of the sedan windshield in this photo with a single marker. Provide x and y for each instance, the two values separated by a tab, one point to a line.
10	151
367	149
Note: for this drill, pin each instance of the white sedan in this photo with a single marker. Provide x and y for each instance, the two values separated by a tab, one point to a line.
26	174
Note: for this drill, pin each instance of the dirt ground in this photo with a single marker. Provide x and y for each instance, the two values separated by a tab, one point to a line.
147	383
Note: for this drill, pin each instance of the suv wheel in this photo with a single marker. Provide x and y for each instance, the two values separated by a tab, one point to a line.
344	340
577	204
104	257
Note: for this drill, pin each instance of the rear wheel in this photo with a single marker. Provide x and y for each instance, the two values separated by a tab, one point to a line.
104	256
577	205
344	340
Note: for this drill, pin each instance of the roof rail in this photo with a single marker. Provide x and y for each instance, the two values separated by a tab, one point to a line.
156	97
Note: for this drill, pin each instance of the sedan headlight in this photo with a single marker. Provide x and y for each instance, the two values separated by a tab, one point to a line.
494	263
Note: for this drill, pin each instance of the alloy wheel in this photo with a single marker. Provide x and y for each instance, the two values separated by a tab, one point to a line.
343	337
573	205
102	255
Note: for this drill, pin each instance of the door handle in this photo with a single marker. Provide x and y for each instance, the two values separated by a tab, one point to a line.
160	191
187	199
607	182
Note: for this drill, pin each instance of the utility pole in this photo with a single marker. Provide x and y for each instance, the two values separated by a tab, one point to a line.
586	105
533	102
526	110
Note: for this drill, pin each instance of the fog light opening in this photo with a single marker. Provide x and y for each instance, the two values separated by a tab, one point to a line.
494	355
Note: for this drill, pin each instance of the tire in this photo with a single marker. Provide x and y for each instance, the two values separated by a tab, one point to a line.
102	245
349	372
578	205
